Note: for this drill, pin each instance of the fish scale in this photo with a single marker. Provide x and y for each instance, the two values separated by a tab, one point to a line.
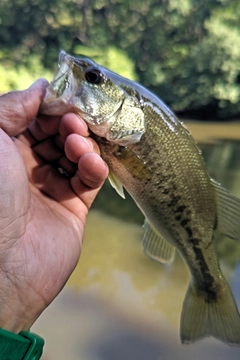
151	154
172	179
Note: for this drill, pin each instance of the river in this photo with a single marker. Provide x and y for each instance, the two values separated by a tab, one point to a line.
120	305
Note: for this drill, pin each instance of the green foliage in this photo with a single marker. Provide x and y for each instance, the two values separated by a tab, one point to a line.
20	76
185	51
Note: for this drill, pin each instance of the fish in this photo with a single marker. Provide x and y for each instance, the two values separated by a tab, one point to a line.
152	155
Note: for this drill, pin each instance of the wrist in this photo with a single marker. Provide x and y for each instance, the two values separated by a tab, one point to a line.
13	317
17	312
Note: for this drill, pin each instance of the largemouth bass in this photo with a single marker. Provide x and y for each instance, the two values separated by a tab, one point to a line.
151	154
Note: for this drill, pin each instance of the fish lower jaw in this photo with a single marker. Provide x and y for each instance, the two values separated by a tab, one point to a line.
55	106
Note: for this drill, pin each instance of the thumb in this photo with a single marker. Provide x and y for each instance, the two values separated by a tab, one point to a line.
14	190
18	108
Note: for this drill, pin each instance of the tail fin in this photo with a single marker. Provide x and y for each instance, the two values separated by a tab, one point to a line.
219	318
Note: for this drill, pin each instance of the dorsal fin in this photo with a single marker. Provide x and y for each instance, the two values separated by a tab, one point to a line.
155	246
228	212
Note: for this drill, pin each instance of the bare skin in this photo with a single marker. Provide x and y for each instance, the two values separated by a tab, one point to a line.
42	212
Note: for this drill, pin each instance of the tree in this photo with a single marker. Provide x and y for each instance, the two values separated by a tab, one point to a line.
186	51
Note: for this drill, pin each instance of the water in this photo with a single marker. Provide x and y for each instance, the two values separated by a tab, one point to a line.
118	304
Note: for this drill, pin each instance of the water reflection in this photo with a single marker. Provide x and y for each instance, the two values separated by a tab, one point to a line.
126	306
223	162
114	265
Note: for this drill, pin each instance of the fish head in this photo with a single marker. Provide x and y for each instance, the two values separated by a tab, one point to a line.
98	95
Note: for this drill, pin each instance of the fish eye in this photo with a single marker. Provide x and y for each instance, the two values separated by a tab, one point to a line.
93	76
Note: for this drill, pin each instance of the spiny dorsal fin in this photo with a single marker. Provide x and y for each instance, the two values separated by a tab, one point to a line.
155	246
228	212
116	184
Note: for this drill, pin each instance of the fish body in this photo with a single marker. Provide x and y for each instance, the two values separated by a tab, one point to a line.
151	154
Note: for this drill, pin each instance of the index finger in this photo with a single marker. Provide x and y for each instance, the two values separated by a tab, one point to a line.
73	124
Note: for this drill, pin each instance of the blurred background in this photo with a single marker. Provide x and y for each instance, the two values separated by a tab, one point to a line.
118	304
187	52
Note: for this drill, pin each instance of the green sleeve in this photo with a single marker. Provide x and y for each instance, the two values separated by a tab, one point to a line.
22	346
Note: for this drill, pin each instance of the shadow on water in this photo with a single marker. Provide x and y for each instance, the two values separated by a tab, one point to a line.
119	304
128	345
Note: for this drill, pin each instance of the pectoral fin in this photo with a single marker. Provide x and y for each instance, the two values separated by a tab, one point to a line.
228	212
155	246
116	184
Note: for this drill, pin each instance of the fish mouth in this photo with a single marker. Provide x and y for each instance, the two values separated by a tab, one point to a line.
62	88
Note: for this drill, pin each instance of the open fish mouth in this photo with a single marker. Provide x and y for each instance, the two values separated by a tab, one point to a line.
62	88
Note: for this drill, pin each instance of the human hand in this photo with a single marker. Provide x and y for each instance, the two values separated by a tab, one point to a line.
42	212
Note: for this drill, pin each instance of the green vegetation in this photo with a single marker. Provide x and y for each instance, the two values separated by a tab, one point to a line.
185	51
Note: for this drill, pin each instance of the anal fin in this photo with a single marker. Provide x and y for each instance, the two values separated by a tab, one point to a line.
156	246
